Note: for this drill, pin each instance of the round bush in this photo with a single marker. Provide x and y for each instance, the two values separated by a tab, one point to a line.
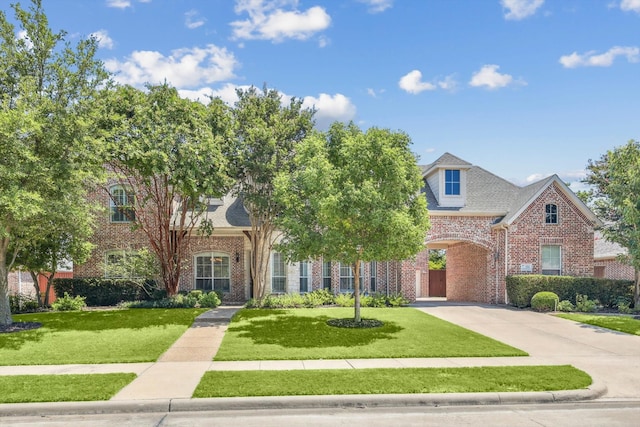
544	301
209	300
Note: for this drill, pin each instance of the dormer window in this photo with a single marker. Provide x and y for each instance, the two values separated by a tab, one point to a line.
551	214
452	182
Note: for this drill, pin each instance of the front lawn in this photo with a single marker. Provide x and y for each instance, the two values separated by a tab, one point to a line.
61	388
111	336
624	324
391	381
295	334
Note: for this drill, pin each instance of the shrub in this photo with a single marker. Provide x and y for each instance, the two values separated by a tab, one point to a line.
521	288
99	291
175	301
318	298
624	305
378	300
209	300
345	300
23	303
566	305
397	300
584	304
68	303
544	301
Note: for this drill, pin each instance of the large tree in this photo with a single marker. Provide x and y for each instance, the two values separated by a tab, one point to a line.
267	136
615	178
353	197
168	151
46	113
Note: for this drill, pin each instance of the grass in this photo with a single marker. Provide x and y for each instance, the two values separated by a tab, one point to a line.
391	381
112	336
61	388
304	334
624	324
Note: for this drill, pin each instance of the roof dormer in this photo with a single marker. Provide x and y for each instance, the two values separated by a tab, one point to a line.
447	179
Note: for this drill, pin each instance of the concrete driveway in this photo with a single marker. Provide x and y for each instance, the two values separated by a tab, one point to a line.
610	357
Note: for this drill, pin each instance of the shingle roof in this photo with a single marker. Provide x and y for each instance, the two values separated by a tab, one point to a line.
230	214
603	248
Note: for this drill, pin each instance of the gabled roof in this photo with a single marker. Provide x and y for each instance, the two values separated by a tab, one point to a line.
228	215
604	249
446	160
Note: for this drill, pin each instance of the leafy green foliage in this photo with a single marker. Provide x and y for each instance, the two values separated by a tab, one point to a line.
209	300
615	179
353	197
391	381
68	303
99	291
49	154
585	305
61	388
23	303
521	288
544	301
566	306
437	259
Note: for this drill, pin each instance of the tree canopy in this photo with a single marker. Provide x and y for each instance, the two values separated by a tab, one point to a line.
615	178
353	197
169	152
267	134
47	88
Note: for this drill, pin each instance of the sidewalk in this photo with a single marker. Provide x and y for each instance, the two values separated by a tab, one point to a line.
168	384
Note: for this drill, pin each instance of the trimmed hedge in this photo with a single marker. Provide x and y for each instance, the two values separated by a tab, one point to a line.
521	288
99	291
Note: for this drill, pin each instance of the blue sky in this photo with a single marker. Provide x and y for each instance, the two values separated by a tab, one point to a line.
522	88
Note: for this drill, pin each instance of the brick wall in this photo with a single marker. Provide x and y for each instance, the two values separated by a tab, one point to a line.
467	271
614	269
573	233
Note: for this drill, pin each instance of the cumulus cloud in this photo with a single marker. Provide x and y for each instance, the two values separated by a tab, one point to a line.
186	67
489	77
592	59
268	20
119	4
104	41
377	6
412	83
330	108
630	5
193	20
520	9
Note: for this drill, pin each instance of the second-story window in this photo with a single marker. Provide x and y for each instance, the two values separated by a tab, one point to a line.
121	204
452	182
551	214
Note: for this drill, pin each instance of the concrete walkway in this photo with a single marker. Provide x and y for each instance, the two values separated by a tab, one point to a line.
612	359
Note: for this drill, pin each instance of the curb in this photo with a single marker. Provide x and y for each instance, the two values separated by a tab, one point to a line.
594	391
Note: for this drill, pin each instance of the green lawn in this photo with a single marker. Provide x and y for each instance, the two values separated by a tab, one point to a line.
391	381
303	334
113	336
61	388
625	324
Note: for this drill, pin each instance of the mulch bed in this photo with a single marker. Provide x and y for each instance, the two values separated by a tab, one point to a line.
19	326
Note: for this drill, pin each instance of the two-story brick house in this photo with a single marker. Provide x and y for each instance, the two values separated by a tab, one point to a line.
490	228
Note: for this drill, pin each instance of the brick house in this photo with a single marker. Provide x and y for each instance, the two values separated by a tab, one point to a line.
607	260
490	228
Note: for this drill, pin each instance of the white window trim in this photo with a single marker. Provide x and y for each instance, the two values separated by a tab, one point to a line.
112	204
213	277
273	254
559	269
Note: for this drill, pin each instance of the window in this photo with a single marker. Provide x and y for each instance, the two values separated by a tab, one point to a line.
598	271
326	275
121	204
278	274
213	272
551	214
373	275
122	264
452	182
305	270
346	277
551	260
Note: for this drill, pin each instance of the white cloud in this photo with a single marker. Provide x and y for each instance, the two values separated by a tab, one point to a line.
377	6
489	77
520	9
187	67
323	41
227	93
630	5
449	83
412	83
269	21
104	41
591	59
119	4
193	20
330	108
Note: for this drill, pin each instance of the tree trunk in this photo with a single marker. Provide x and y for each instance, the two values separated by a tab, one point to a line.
636	290
36	287
5	307
356	291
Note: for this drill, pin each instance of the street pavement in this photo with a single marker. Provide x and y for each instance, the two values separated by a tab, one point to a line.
611	358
